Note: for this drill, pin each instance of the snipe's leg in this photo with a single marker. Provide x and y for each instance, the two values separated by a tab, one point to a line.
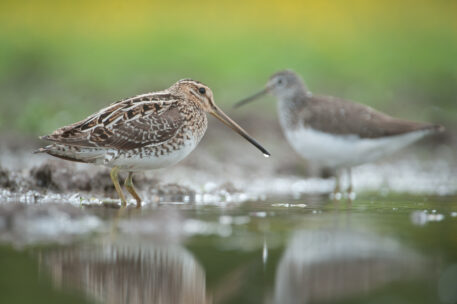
129	186
115	180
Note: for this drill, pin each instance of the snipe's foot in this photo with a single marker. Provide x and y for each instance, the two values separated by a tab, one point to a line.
129	186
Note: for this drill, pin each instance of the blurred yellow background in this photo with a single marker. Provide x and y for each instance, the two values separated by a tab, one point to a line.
62	60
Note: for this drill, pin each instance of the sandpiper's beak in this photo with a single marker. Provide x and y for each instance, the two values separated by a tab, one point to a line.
216	112
251	98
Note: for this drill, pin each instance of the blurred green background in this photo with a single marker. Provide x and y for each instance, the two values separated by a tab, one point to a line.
62	60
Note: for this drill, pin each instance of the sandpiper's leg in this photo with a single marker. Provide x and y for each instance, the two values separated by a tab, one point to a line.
336	190
350	192
129	186
115	180
350	181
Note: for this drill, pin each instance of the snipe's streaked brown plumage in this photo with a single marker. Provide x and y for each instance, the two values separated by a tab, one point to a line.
149	131
333	132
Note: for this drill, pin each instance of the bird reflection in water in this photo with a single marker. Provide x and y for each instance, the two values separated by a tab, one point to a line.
324	266
125	273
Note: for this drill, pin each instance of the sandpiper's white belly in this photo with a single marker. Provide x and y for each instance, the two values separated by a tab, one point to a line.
346	150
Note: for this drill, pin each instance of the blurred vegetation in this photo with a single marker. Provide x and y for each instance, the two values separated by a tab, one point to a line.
62	60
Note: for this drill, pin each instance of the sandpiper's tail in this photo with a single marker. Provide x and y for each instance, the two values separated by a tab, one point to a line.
418	127
437	128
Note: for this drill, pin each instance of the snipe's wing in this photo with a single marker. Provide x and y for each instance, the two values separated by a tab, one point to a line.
132	123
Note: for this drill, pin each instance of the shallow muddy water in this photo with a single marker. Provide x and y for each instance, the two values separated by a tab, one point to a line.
378	249
218	228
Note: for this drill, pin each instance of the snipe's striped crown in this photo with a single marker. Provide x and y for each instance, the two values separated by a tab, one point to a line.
196	91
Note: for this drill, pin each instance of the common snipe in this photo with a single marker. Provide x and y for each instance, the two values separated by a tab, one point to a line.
149	131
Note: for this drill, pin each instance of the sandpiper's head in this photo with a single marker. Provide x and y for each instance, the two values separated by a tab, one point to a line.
203	97
283	84
195	91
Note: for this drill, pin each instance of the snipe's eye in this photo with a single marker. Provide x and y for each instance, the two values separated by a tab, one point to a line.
202	90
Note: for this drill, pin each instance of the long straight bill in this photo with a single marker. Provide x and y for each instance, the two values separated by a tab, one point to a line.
251	98
235	127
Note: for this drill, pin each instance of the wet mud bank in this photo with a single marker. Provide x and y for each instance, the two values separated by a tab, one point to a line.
227	171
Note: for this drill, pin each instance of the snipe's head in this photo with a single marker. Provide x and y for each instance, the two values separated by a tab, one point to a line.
203	97
283	84
195	91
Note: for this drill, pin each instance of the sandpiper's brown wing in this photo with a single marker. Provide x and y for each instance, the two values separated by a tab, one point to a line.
338	116
129	124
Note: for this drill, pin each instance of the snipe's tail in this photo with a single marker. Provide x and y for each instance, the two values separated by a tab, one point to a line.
73	153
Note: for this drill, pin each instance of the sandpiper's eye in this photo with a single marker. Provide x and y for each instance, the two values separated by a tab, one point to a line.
202	90
280	81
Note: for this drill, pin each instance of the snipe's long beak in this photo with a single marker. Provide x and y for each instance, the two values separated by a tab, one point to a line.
235	127
251	98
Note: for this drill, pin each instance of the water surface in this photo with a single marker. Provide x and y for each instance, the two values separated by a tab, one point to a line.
388	248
